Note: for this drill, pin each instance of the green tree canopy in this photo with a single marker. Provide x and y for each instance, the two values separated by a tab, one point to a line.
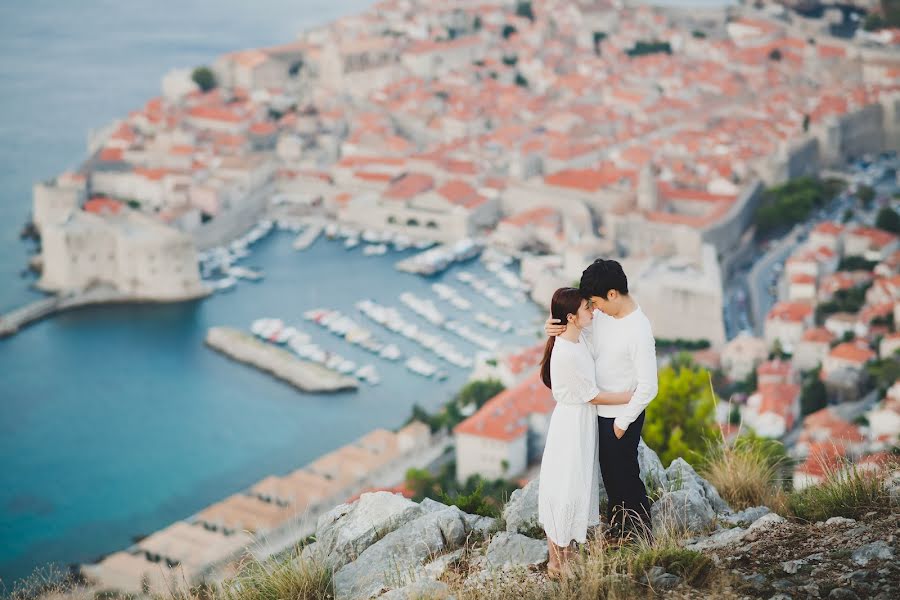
865	194
524	9
813	395
681	420
204	78
888	219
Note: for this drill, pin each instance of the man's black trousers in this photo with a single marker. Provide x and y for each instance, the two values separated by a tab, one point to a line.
628	503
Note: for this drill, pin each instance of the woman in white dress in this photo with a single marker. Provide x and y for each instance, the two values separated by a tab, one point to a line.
569	496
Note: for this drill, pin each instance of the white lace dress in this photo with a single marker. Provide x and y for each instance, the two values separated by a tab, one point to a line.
569	497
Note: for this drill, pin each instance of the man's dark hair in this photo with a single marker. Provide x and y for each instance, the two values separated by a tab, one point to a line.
601	276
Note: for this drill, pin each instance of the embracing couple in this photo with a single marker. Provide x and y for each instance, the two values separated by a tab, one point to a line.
600	363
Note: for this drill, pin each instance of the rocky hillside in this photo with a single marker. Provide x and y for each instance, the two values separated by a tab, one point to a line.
389	547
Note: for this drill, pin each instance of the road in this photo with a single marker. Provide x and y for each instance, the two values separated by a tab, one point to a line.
760	284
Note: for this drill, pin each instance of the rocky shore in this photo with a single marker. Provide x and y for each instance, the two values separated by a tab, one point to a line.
303	375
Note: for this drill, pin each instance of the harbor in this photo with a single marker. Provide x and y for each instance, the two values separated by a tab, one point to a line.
226	425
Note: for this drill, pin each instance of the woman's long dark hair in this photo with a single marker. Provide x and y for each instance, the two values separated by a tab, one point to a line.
566	301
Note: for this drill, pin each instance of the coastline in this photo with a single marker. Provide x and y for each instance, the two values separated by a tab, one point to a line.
13	321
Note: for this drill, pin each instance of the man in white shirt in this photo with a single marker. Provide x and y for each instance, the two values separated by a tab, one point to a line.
624	353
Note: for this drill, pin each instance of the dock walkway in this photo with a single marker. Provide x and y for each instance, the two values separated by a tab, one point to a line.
304	375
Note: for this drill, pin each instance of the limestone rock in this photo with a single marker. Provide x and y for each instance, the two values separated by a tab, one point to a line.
879	550
682	510
424	588
765	522
652	471
521	511
429	505
720	539
746	516
513	549
480	525
398	558
346	531
682	476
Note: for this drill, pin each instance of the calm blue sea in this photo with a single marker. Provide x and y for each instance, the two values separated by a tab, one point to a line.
116	421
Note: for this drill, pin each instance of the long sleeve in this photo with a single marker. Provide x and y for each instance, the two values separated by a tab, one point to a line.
643	354
570	385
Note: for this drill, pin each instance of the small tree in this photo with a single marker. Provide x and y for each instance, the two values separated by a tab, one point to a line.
204	78
813	395
888	219
524	9
775	54
865	194
681	420
805	123
507	31
521	81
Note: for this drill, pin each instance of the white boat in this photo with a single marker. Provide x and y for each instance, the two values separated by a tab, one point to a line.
351	242
423	307
368	374
245	273
401	243
449	294
348	232
225	284
390	352
331	230
346	367
491	322
420	366
375	250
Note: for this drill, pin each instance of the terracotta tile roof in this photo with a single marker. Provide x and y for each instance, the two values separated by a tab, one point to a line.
215	113
263	128
775	368
822	459
528	358
461	193
819	335
877	237
590	180
542	216
505	416
111	154
829	228
101	205
854	352
151	174
780	399
795	312
801	278
409	185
